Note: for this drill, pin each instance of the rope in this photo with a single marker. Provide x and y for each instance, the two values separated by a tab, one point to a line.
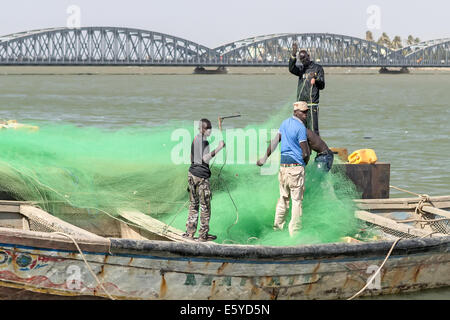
219	178
229	194
85	261
252	238
369	281
423	199
301	90
311	110
410	192
173	219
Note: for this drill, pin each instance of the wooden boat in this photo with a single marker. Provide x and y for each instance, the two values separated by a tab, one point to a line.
43	256
385	70
202	70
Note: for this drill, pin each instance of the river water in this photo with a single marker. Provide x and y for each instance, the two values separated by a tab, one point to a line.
404	118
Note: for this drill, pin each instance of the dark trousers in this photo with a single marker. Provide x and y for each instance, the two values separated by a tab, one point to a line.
312	121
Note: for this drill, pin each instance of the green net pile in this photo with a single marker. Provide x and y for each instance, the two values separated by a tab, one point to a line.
146	169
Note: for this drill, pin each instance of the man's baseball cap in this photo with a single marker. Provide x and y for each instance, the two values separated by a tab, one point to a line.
301	105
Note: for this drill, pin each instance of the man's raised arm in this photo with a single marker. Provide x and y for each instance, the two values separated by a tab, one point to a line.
292	60
209	156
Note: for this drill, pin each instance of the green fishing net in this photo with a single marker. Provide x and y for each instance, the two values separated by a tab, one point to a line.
145	169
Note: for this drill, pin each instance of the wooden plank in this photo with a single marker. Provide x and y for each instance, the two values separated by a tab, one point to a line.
97	222
127	233
40	216
436	211
11	220
9	208
25	224
16	203
402	200
391	224
401	203
399	206
153	225
53	241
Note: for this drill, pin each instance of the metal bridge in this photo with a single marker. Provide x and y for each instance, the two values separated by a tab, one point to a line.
125	46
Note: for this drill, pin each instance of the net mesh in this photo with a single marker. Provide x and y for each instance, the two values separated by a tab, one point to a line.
41	226
388	233
146	169
440	226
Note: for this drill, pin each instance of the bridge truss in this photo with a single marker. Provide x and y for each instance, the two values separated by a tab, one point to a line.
126	46
101	46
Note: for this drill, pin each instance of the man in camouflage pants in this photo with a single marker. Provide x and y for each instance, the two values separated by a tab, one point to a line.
199	186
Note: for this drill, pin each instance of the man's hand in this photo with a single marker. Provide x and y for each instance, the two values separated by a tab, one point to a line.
261	162
294	49
312	76
221	144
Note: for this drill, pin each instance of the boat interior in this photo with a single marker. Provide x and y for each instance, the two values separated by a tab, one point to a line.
385	219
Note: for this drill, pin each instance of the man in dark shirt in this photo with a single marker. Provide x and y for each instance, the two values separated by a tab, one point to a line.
311	79
199	186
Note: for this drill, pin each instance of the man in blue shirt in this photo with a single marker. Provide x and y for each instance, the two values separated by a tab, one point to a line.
294	157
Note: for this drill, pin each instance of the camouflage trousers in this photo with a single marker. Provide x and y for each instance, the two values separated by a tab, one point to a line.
200	197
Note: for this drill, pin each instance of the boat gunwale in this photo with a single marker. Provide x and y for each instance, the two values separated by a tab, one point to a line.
304	252
112	246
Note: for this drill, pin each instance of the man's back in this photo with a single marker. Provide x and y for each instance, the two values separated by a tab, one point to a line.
292	132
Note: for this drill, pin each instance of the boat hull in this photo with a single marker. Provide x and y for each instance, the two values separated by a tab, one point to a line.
139	269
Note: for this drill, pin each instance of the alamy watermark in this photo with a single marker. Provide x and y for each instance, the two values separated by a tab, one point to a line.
243	146
71	275
373	22
374	281
74	18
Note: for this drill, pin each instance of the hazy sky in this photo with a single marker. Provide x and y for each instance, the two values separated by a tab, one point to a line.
212	23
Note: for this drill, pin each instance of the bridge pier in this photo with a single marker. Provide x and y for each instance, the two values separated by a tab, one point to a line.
202	70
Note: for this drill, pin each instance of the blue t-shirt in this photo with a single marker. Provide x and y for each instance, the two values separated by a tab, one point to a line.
293	131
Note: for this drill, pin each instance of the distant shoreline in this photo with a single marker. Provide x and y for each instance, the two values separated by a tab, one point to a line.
150	70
